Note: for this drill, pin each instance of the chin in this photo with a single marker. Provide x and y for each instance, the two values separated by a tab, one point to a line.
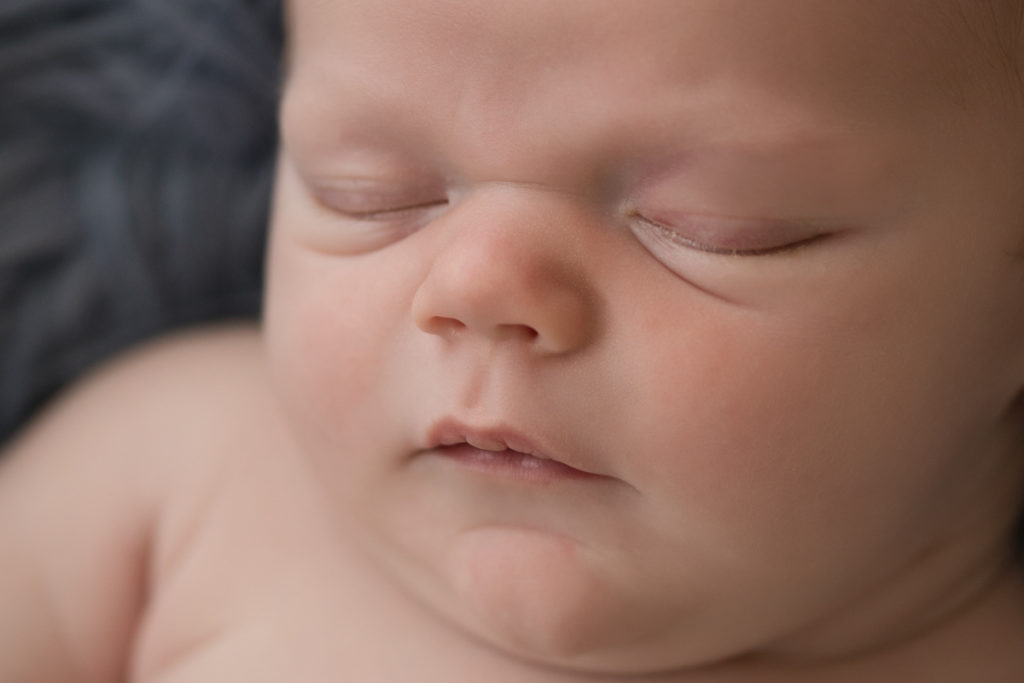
552	602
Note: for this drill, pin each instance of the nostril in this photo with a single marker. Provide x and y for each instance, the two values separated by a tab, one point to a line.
442	325
517	332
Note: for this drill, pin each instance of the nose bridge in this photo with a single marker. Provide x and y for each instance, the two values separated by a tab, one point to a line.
510	268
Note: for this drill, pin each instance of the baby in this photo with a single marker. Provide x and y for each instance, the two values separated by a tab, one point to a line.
667	341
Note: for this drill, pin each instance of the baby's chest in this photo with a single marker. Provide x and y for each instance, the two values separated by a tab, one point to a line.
255	590
264	587
259	617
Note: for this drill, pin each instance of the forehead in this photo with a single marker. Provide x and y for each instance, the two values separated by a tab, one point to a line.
577	73
838	47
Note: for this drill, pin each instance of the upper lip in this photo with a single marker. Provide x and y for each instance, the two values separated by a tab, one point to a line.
451	431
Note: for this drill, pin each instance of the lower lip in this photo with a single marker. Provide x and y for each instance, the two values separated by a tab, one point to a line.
513	465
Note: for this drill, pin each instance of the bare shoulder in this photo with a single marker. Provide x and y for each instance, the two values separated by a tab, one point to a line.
170	394
165	421
173	372
90	488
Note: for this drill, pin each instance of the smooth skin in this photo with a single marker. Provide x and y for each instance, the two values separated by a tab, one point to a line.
757	265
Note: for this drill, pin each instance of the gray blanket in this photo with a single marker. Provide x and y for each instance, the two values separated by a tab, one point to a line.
136	146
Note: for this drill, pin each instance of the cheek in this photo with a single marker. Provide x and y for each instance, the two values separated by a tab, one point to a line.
731	425
785	434
327	329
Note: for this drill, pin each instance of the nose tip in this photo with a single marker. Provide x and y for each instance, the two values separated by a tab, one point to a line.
509	286
552	329
502	309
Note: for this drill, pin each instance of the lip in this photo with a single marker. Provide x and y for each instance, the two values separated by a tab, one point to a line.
501	450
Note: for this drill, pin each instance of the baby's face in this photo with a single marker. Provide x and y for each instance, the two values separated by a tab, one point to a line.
753	266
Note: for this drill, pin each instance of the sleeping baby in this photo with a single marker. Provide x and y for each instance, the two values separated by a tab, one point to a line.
675	341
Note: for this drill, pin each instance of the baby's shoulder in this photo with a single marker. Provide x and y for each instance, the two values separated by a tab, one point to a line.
106	479
181	412
176	392
159	407
182	375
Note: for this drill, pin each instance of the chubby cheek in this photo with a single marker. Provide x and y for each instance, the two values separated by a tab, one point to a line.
328	329
769	437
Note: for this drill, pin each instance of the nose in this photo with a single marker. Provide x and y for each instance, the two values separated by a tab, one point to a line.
511	270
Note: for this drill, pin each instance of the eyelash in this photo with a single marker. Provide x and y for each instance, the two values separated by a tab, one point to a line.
676	238
388	214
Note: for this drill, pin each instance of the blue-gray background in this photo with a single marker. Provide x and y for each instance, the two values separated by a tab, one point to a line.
136	146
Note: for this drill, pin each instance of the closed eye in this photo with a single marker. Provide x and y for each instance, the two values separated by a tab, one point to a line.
371	201
362	216
387	213
726	237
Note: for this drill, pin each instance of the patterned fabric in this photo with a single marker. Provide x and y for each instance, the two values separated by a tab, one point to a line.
136	152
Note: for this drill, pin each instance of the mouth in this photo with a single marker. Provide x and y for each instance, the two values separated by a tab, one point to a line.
500	452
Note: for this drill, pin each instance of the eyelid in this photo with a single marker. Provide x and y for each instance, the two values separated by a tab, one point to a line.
370	199
792	235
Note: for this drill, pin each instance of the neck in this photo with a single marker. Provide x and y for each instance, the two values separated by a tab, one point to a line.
978	639
975	638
